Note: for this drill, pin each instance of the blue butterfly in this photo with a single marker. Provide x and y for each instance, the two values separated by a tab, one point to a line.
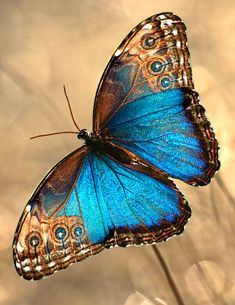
148	126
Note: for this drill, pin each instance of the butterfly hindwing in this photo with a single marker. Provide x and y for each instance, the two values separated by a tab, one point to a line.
108	204
170	130
124	206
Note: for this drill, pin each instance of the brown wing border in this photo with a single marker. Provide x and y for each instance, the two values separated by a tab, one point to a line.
120	48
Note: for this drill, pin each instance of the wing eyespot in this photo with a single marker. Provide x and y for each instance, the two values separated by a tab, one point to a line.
77	232
60	233
165	82
148	42
156	66
33	239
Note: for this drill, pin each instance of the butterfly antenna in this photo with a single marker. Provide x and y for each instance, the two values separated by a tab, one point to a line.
61	132
70	109
52	134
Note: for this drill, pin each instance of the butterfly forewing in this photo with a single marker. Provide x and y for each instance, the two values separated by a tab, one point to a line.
152	58
51	232
146	102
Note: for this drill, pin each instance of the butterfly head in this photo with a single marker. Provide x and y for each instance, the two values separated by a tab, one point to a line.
84	135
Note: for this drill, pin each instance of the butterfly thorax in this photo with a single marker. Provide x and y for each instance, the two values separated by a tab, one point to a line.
101	145
94	141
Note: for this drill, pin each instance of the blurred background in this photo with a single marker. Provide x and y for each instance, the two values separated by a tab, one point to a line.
45	44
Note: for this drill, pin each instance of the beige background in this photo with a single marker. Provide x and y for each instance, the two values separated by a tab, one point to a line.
45	44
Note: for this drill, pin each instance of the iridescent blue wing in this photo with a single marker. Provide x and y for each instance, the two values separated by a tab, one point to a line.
124	206
146	102
170	130
89	202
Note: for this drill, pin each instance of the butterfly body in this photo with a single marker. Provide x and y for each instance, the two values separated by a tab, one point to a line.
94	142
116	189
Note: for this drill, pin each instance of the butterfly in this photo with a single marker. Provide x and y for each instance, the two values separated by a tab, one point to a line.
115	190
